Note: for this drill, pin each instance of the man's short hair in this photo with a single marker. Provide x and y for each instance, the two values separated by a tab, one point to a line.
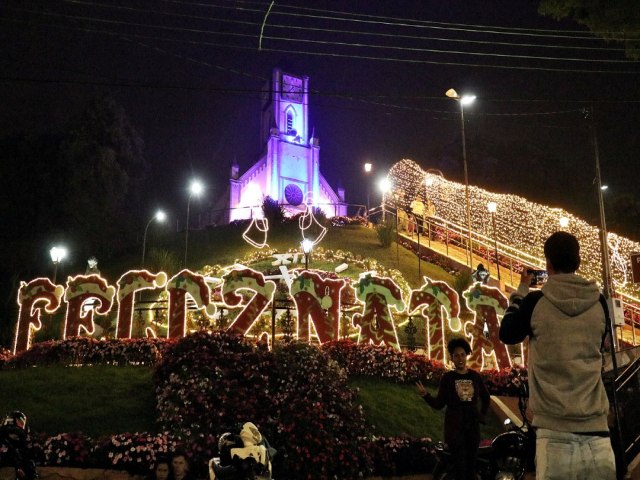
562	250
458	343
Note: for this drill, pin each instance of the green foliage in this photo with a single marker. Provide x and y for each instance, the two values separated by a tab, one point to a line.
461	282
617	21
386	232
162	260
272	211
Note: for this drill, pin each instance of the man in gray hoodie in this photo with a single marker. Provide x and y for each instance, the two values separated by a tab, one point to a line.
565	323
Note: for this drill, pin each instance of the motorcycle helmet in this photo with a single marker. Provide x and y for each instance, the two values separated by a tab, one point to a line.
15	419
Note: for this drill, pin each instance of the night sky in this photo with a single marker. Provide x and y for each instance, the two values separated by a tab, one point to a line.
189	75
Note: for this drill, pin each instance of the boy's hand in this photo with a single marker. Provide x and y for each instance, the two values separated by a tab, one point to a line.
421	390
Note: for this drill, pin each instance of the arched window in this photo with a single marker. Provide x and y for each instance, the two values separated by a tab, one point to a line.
290	122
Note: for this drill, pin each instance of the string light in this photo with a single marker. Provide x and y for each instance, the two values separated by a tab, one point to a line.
521	228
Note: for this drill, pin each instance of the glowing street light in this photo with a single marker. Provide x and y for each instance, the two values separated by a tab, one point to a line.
196	188
493	207
367	170
159	217
58	254
385	187
307	246
463	101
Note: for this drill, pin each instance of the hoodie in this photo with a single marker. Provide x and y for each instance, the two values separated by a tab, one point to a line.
565	323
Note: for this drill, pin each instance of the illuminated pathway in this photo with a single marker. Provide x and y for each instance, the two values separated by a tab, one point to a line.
521	228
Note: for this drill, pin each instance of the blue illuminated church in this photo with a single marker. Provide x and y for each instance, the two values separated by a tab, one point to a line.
289	167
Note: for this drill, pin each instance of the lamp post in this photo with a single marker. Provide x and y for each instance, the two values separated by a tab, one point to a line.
367	170
196	189
493	207
385	187
58	254
464	100
159	216
307	246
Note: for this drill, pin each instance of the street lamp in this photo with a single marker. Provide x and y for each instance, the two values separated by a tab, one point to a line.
493	206
367	170
385	187
196	189
307	246
160	217
464	100
58	254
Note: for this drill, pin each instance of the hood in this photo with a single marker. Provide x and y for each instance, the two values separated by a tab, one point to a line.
571	293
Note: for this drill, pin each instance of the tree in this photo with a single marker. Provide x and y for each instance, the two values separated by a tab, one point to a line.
617	21
104	169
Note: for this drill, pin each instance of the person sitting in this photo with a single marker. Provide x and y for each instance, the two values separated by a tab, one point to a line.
480	274
180	466
161	470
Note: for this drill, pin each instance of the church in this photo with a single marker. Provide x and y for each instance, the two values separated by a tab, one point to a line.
288	169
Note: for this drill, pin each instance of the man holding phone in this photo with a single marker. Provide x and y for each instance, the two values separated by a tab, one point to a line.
565	324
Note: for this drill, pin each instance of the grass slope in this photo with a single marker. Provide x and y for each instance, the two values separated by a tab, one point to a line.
104	400
96	400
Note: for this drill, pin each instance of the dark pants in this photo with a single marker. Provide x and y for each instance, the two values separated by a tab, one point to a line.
464	451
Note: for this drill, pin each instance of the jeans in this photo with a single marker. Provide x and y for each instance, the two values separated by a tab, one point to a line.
570	456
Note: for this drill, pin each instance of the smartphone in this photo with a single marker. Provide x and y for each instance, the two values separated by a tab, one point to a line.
539	277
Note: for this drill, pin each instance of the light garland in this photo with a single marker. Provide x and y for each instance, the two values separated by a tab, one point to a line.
306	221
522	226
80	290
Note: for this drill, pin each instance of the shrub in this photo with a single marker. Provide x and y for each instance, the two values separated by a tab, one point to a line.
297	396
134	452
69	450
87	350
273	211
162	260
386	232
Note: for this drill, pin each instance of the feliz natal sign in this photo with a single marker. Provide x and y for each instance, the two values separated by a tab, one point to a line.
249	293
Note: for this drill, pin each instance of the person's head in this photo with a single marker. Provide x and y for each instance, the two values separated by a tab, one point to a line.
562	252
459	349
480	267
179	464
162	469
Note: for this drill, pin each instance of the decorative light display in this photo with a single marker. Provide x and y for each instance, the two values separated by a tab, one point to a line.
376	324
128	285
522	226
34	297
81	290
246	279
319	299
182	284
307	220
261	224
486	303
438	303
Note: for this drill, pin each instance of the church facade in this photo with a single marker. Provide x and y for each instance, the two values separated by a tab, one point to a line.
288	170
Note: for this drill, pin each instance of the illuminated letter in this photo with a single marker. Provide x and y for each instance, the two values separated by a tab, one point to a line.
314	296
488	303
82	294
246	279
376	324
131	282
34	296
183	283
430	300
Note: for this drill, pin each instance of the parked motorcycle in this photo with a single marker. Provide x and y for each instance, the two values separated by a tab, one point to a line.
13	446
509	456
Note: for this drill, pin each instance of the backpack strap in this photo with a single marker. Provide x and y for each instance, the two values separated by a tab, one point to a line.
607	321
